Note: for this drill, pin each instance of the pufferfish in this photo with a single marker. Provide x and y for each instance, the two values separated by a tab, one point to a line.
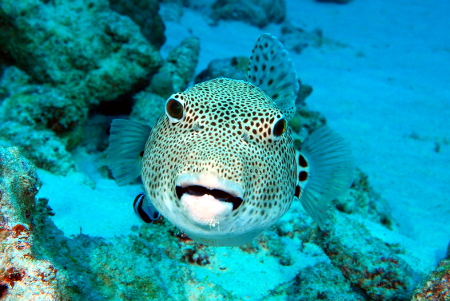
220	163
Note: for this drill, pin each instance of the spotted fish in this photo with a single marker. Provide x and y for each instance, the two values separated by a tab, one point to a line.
220	164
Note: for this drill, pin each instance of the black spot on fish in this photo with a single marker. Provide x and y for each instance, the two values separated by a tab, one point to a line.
302	161
297	191
303	176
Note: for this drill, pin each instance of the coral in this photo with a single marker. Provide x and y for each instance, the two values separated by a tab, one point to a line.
321	281
43	147
172	11
85	55
88	51
156	263
234	68
179	66
436	286
22	275
361	199
145	14
365	261
305	120
43	122
39	106
296	39
255	12
174	75
162	85
148	108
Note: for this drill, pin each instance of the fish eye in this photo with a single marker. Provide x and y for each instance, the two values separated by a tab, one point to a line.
280	127
174	109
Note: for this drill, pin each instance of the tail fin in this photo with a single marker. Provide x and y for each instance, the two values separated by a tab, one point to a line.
325	171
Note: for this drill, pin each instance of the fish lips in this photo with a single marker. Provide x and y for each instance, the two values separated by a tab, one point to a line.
208	184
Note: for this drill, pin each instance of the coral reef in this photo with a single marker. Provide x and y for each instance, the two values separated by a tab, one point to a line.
148	108
39	105
173	76
22	275
156	262
436	286
367	262
234	67
256	12
179	67
92	56
296	39
85	55
321	281
365	202
145	14
42	121
43	147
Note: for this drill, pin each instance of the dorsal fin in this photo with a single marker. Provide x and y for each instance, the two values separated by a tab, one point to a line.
271	69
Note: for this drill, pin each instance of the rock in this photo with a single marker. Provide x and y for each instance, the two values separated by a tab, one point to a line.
171	11
367	262
321	281
296	39
234	68
436	286
148	108
42	147
144	13
39	106
42	121
22	275
362	200
90	52
162	84
256	12
179	67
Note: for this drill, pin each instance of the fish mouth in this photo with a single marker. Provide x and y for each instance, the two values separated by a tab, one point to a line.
208	184
221	195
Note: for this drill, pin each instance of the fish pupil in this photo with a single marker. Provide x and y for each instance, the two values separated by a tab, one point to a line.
280	127
175	109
